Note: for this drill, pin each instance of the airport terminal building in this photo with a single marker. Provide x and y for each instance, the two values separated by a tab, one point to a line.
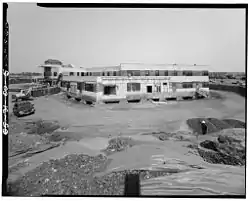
130	81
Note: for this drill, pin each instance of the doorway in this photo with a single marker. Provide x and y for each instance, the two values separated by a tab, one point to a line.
149	89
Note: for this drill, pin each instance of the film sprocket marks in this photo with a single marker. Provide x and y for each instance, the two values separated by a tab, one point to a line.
5	107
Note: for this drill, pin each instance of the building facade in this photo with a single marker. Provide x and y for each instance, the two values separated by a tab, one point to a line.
133	82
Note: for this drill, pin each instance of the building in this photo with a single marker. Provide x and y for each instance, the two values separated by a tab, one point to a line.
131	81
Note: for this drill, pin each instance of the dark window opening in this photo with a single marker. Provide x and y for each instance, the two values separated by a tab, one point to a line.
156	73
187	73
165	83
133	87
108	74
147	73
109	90
158	88
187	85
103	74
166	73
90	87
55	73
79	86
71	73
205	73
114	73
82	73
90	73
205	84
175	73
149	89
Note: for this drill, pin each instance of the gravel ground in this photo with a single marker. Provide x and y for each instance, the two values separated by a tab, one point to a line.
75	175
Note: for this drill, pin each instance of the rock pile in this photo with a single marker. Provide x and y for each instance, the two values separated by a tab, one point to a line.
226	150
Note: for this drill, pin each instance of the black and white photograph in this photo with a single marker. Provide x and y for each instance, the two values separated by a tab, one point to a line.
139	100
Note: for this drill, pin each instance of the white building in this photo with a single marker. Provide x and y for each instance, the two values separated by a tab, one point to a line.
132	81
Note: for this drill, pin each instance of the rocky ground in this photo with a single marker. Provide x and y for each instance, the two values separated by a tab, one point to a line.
188	158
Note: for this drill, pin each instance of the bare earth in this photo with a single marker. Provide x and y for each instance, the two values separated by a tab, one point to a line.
90	128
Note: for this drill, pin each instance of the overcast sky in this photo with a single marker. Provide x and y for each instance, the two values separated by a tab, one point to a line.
103	37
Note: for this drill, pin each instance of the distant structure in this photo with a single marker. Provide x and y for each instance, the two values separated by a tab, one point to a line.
129	81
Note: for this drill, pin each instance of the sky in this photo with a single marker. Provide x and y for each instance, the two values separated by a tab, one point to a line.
94	37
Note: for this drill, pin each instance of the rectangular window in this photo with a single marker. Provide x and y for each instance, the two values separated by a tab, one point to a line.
136	73
156	73
78	74
179	73
158	88
187	85
187	73
90	73
205	85
108	74
114	73
175	73
71	73
90	87
179	86
166	73
82	73
204	73
55	74
146	73
132	87
165	83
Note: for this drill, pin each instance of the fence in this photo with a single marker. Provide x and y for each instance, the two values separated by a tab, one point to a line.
44	92
242	91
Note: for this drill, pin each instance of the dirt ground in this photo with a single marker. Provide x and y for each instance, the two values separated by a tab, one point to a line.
87	130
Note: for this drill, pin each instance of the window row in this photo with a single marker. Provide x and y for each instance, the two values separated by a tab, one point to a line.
142	73
136	87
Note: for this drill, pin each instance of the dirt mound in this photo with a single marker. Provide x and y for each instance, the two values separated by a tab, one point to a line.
119	144
213	124
41	127
178	135
227	151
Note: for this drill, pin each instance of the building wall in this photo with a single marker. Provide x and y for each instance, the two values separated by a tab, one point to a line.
165	92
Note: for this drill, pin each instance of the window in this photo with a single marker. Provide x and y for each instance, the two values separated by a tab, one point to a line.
146	73
187	85
78	74
114	73
205	84
109	90
165	83
133	87
175	73
205	73
79	86
187	73
158	88
179	86
71	73
108	74
166	73
90	73
90	87
82	73
55	73
103	74
156	73
136	73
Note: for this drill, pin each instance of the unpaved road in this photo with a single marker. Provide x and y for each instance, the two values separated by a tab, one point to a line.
91	127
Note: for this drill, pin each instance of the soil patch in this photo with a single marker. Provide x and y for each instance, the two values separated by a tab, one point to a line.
74	175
